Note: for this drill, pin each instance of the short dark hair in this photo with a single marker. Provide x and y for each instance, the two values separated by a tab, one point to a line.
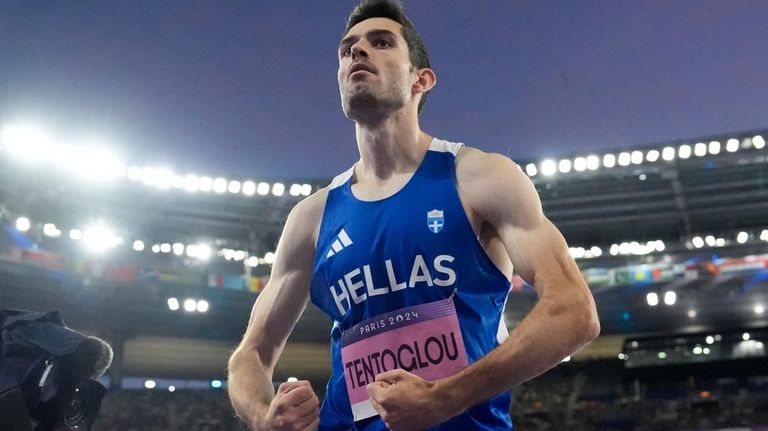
393	10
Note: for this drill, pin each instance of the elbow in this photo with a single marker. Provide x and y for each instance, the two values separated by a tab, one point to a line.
589	323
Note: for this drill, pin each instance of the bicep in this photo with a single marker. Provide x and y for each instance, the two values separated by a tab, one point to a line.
504	197
283	299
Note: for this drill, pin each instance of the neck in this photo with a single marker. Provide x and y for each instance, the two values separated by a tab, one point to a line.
393	146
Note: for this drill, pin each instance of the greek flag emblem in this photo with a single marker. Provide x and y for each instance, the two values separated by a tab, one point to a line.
435	220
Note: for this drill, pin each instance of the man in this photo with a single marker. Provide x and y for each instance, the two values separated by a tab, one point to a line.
410	252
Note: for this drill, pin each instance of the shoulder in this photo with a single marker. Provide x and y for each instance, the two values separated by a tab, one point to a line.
306	216
477	168
495	186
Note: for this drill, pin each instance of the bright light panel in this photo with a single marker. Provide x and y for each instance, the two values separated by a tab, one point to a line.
219	185
262	189
99	238
670	297
234	187
75	234
269	258
564	166
637	157
306	189
732	145
714	147
758	142
295	190
684	151
202	306
668	154
249	188
138	245
652	299
22	224
548	168
531	170
593	162
278	189
190	305
700	149
625	159
173	304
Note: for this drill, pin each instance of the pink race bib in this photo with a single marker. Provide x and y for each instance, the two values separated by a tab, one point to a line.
423	339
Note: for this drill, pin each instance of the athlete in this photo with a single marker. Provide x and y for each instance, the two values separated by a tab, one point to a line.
410	252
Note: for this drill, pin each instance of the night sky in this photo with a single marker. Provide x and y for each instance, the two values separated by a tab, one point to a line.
248	88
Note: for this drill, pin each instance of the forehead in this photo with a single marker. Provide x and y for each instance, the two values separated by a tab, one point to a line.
363	27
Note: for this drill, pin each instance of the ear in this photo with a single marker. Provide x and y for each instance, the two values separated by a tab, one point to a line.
425	80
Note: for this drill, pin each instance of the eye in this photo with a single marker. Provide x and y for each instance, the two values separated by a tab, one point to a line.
345	51
379	43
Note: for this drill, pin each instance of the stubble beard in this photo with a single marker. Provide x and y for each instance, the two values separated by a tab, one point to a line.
365	105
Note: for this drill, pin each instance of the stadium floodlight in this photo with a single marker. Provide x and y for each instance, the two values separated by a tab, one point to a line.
49	229
206	184
202	306
135	173
99	238
652	156
636	157
239	255
191	183
609	160
714	147
262	189
614	250
577	252
652	298
745	336
216	384
720	242
219	185
269	258
742	237
593	162
203	252
278	189
165	247
705	350
531	170
191	250
91	163
580	164
190	305
642	177
234	187
659	245
758	142
150	384
670	297
759	309
173	304
548	167
171	388
625	158
684	151
732	145
156	248
710	240
746	143
622	356
23	224
306	189
596	251
692	313
26	142
564	166
697	350
710	339
178	248
249	188
662	355
75	234
295	190
700	149
252	261
764	235
697	242
178	182
668	154
138	245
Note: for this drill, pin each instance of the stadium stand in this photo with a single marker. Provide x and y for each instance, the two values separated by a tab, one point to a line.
672	239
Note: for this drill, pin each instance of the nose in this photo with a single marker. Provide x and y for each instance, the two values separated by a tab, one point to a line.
358	51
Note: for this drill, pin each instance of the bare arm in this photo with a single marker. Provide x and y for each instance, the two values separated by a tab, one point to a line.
274	315
564	319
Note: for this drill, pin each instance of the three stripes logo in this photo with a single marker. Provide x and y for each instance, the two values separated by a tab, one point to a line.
341	241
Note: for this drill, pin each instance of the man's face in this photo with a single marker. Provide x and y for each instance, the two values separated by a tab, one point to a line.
375	72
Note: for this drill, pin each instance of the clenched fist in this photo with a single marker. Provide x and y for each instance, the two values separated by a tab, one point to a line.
294	408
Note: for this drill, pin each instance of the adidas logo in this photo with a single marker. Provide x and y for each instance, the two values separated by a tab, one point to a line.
341	241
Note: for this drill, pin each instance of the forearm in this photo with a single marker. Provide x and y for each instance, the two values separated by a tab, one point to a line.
250	387
554	329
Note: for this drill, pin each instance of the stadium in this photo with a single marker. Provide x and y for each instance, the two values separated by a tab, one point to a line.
165	266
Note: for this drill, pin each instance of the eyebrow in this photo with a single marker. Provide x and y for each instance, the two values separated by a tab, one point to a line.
370	34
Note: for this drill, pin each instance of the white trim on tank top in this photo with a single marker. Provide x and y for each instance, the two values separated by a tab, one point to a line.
438	145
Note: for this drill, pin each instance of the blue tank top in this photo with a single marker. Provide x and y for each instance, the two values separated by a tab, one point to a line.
414	247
